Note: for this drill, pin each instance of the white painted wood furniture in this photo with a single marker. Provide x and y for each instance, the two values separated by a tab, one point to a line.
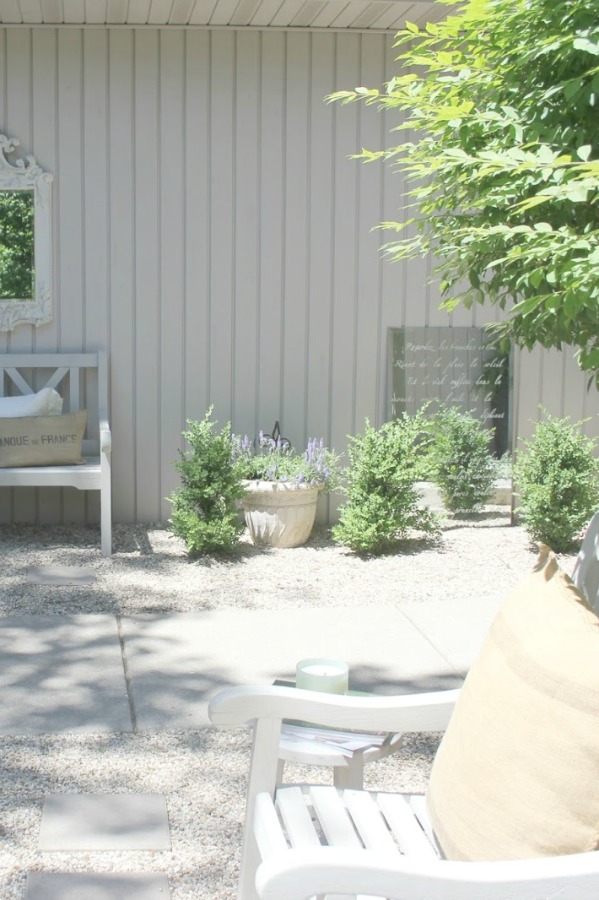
82	381
300	746
586	570
283	856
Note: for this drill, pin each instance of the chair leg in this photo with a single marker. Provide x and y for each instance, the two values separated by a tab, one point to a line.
106	512
266	739
352	775
250	860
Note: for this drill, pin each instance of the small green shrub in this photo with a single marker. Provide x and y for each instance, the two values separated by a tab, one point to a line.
383	504
205	507
557	482
464	469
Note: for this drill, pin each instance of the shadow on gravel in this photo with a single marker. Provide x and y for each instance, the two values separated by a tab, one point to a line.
485	519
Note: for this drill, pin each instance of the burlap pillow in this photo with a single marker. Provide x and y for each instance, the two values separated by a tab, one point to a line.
42	440
517	772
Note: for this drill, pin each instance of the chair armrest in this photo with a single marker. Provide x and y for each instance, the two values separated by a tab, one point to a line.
302	874
407	712
105	437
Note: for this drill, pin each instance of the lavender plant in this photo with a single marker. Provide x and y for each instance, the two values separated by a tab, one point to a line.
276	460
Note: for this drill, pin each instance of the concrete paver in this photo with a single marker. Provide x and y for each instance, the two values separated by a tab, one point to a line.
457	629
177	662
104	822
66	673
62	673
60	575
75	886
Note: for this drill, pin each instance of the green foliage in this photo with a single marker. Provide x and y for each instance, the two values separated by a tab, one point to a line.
557	480
16	245
464	467
276	460
382	505
204	508
503	98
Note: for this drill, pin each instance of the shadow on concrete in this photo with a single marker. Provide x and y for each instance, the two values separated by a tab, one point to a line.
62	674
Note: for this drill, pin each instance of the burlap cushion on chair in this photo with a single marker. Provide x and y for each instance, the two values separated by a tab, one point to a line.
42	440
517	772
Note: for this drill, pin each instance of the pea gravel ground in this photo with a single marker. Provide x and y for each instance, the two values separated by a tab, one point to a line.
203	773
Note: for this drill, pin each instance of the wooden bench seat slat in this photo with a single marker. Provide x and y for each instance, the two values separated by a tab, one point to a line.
333	817
296	818
369	822
405	826
269	835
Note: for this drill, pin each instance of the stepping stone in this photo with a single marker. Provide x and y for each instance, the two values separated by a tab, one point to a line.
60	575
75	886
104	822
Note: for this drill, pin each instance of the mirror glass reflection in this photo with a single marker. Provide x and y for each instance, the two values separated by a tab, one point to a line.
26	231
17	273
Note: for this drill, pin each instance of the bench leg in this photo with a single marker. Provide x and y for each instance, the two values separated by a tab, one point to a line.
105	529
106	509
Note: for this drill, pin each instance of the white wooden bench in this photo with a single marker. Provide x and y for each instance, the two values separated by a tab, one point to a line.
82	381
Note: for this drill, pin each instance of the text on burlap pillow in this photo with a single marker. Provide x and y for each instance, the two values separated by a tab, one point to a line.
42	440
517	772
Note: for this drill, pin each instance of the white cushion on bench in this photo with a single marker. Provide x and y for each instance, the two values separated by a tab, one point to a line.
46	402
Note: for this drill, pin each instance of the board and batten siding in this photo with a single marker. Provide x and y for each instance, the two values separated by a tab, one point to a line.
212	234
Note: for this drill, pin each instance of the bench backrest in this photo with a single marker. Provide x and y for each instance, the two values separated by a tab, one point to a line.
80	378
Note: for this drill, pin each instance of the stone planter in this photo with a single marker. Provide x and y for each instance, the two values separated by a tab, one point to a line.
279	514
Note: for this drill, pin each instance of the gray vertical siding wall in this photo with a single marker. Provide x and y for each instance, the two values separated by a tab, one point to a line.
212	234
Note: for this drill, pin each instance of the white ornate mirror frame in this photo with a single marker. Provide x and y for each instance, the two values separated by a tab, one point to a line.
26	175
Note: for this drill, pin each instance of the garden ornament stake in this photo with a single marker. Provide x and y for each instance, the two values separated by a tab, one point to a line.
279	441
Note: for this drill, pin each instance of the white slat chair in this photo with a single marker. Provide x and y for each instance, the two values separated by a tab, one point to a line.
82	381
323	842
513	788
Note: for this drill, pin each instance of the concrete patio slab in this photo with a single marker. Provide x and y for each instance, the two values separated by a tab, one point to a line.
60	575
62	673
104	822
75	886
177	662
456	629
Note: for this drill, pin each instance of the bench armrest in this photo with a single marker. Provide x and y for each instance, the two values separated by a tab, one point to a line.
301	874
105	437
407	712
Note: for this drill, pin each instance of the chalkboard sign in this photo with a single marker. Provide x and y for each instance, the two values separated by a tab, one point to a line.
457	367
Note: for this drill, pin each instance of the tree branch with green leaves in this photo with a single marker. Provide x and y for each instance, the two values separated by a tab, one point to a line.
498	126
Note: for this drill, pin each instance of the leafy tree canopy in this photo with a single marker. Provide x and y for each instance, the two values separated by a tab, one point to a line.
500	150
